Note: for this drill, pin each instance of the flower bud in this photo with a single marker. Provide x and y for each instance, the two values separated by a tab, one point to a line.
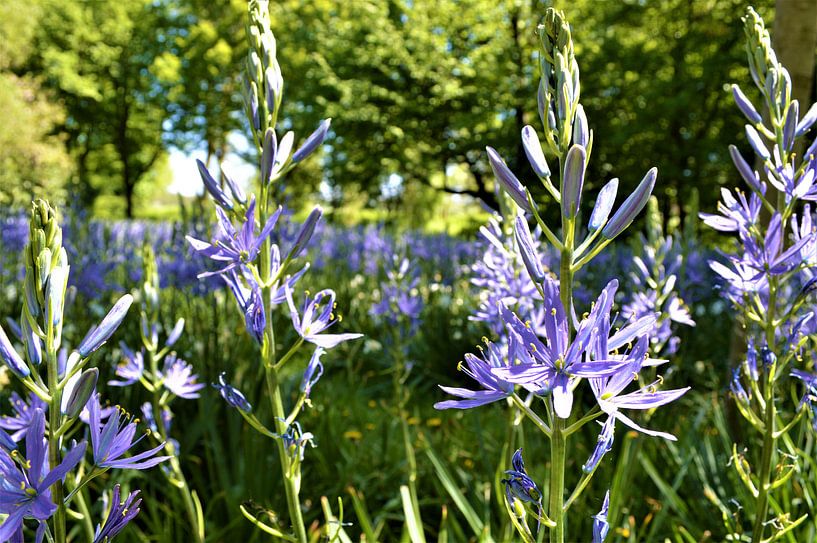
79	392
631	207
581	133
508	180
533	150
274	88
306	232
573	181
284	150
98	335
603	445
235	188
807	121
745	105
32	343
526	249
790	126
269	148
232	395
252	99
745	170
175	334
312	142
55	296
213	187
11	357
604	204
757	143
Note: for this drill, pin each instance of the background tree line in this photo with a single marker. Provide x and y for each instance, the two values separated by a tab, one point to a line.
94	94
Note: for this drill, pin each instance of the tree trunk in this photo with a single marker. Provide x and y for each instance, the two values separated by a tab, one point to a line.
794	37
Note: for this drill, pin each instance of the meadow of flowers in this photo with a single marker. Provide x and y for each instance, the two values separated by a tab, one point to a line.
585	369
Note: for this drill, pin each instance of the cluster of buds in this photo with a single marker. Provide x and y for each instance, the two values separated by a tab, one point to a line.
41	321
149	293
45	282
264	86
559	86
263	91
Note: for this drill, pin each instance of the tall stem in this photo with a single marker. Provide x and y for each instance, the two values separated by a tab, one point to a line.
557	480
558	438
770	417
268	353
184	488
54	420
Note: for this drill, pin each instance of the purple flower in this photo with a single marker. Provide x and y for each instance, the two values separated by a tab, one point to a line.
519	485
317	316
233	247
295	440
783	178
600	524
770	258
604	444
112	440
250	303
737	213
608	391
130	369
479	369
313	373
24	486
556	366
178	377
120	514
232	395
23	416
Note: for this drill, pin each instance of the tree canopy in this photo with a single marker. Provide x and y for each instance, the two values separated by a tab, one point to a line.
416	90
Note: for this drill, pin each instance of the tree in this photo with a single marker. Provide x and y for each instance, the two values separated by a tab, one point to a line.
32	159
414	87
202	70
97	57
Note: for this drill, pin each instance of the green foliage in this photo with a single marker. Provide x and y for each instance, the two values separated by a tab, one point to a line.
32	159
97	58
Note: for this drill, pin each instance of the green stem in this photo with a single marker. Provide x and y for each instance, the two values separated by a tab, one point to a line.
54	423
293	501
87	524
184	487
268	354
769	440
557	481
543	427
